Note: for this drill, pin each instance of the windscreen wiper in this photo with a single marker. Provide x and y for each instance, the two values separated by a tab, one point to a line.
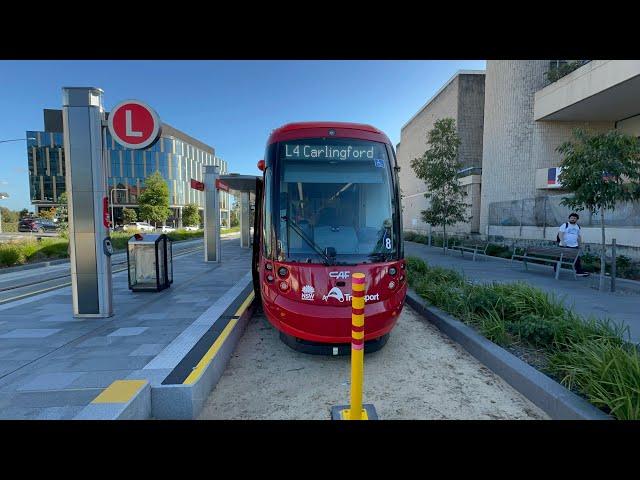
299	231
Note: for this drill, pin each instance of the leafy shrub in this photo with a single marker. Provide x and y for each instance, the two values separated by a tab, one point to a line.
9	255
54	249
408	236
416	265
492	327
535	330
30	249
498	250
9	227
607	373
590	356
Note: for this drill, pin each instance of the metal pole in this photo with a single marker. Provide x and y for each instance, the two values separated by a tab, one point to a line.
245	232
86	180
211	214
521	215
429	234
544	221
113	223
613	265
357	345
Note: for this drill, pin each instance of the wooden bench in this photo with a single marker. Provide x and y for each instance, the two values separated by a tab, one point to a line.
557	256
472	247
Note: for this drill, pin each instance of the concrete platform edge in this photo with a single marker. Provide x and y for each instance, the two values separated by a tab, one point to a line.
138	408
557	401
185	402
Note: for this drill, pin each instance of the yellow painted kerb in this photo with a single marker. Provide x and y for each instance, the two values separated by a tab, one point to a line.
202	364
120	391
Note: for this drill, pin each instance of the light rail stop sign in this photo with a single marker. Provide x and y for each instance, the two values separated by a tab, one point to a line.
196	185
134	124
220	185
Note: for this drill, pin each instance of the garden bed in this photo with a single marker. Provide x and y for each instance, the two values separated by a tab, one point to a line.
592	358
34	251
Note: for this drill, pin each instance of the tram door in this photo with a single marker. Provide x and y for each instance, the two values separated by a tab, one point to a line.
257	231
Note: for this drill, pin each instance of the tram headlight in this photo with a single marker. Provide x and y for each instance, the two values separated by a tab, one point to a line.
392	284
283	272
269	278
268	266
392	271
284	286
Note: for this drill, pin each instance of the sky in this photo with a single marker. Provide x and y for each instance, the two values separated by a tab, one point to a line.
231	105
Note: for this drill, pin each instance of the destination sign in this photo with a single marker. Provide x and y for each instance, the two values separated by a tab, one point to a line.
298	151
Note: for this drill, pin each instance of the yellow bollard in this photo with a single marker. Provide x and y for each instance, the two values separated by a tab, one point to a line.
356	411
357	345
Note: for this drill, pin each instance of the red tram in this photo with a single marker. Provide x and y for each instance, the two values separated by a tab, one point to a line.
328	206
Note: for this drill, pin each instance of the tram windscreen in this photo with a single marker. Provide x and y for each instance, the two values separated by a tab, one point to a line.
335	202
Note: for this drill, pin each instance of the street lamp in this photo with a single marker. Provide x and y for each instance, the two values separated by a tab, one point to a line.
18	139
3	195
113	221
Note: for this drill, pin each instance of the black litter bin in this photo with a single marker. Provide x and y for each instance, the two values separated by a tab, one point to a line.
150	262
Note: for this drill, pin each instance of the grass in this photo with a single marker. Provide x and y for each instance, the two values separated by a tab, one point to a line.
592	357
31	251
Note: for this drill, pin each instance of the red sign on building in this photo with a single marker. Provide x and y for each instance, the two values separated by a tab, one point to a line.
195	184
220	185
134	124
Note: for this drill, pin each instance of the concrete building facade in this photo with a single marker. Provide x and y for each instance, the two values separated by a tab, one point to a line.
528	111
461	98
527	117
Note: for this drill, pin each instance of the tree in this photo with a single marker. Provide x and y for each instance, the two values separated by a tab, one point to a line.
439	167
600	169
9	216
48	214
154	200
24	213
190	215
234	215
63	210
129	215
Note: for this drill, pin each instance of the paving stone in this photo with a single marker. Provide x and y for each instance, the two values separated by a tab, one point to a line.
51	381
52	364
127	332
30	333
148	349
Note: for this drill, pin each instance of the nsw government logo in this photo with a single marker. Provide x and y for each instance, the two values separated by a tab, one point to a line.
308	292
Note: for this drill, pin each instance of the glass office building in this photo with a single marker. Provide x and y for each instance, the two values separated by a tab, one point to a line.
178	157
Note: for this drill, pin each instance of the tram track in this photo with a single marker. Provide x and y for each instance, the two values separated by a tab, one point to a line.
58	278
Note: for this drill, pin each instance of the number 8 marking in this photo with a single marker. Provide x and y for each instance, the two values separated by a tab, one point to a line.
388	243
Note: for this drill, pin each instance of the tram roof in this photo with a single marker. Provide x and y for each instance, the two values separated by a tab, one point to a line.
320	129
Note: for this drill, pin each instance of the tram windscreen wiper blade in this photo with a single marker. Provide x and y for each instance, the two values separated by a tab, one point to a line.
312	244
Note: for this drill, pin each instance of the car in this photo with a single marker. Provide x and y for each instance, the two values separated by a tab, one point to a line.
192	228
142	226
167	229
37	225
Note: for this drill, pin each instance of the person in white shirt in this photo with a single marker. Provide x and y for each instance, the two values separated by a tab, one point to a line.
569	236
